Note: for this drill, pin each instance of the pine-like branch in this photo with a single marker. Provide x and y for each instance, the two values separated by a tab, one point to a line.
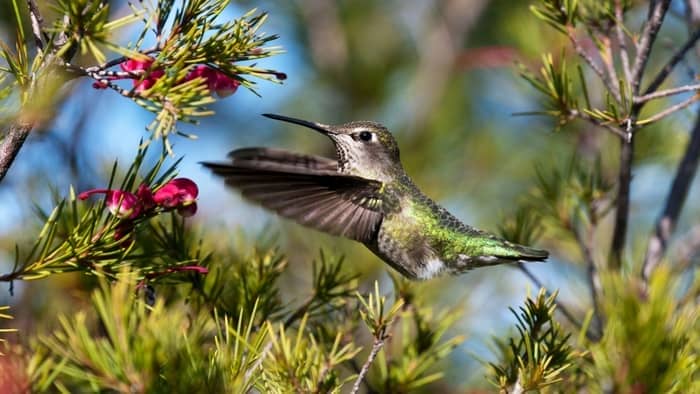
12	142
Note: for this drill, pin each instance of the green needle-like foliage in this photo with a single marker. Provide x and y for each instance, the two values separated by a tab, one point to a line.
373	314
557	13
3	331
78	236
299	363
572	194
195	37
87	27
539	354
523	227
554	82
187	35
128	346
172	310
256	277
651	341
415	338
422	340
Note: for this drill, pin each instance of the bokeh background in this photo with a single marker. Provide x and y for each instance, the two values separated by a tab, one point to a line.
442	75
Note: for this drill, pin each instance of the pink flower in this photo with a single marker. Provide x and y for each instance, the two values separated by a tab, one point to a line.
120	203
217	81
179	192
145	77
136	65
145	194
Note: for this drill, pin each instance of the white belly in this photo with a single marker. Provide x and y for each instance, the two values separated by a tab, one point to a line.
431	268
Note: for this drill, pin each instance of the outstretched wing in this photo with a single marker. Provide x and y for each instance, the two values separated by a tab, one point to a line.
307	189
282	159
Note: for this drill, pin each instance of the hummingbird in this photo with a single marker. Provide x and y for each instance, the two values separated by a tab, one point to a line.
365	195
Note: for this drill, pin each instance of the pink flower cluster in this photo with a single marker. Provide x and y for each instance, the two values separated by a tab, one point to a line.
179	193
217	82
144	77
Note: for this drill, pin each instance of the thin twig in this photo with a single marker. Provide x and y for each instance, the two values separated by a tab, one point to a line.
119	60
646	41
561	307
622	202
591	63
135	74
37	22
376	347
103	80
675	199
584	116
657	11
61	39
621	40
592	273
609	62
381	334
666	93
672	62
12	143
669	111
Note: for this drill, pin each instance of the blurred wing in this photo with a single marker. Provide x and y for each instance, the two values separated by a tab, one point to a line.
341	205
280	159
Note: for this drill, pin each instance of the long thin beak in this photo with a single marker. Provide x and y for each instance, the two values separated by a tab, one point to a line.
320	127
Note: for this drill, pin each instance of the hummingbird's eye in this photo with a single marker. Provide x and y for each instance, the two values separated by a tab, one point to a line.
365	136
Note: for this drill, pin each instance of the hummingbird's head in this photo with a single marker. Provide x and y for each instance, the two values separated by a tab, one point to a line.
365	149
